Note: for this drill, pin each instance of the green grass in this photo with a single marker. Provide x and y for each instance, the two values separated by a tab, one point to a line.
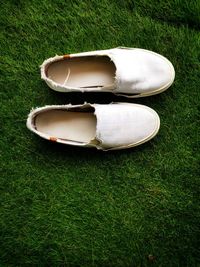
65	206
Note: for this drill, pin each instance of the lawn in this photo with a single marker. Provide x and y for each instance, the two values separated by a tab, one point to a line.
67	206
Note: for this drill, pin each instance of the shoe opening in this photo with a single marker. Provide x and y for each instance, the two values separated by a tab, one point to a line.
77	125
83	72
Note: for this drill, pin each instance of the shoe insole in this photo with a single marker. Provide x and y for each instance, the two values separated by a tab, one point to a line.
83	72
74	126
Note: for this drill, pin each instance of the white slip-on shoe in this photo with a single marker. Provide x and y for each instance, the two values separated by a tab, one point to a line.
106	127
131	72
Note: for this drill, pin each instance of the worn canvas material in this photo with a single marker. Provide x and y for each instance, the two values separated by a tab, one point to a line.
124	124
119	125
138	71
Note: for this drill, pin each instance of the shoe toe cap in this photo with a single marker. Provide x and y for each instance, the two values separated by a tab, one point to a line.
128	125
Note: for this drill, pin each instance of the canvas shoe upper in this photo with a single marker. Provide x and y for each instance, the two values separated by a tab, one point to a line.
131	72
106	127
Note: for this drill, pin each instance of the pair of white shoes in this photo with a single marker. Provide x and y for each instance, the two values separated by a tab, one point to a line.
129	72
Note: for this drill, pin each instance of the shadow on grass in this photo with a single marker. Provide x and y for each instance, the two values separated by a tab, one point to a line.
58	98
84	153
